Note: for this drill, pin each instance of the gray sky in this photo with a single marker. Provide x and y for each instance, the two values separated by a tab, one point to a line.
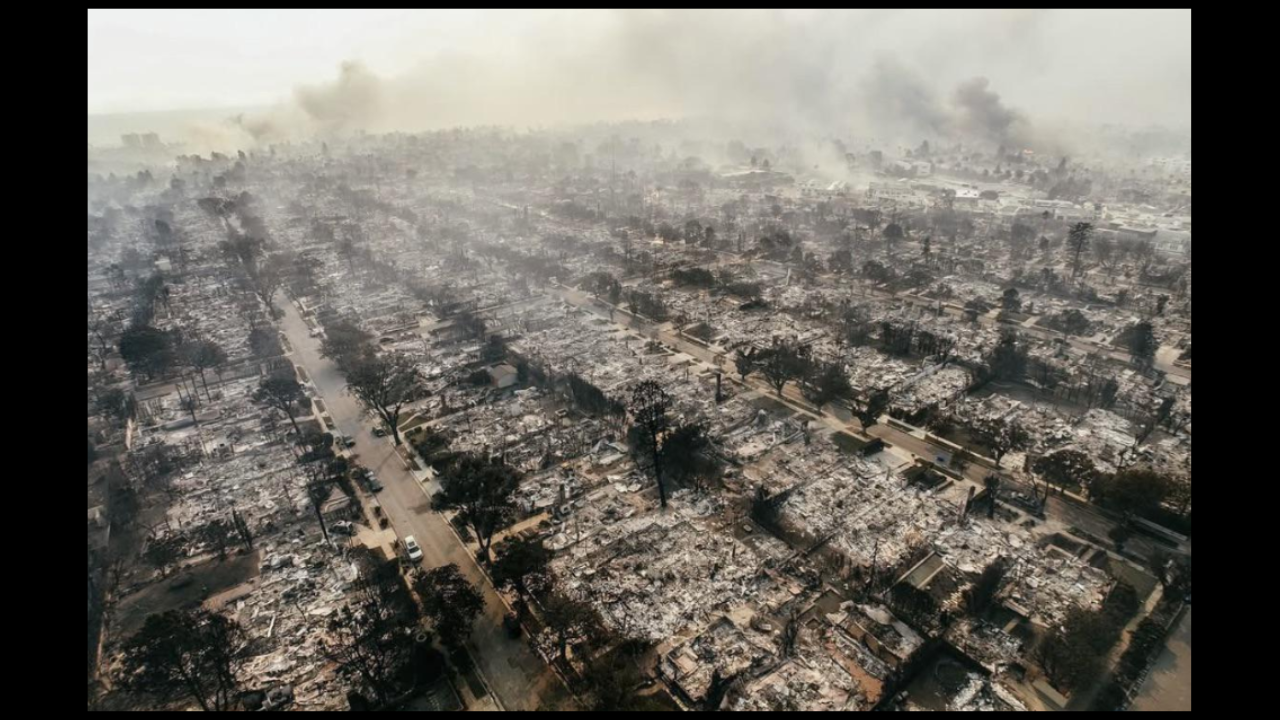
150	60
1081	66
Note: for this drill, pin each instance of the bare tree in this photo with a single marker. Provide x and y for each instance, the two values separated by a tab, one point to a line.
204	355
282	392
1078	240
649	407
783	363
266	279
745	361
1108	255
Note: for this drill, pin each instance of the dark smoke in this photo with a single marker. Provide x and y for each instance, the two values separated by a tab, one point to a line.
881	76
899	100
982	115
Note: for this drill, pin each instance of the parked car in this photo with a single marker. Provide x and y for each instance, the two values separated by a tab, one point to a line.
374	485
414	550
344	528
379	432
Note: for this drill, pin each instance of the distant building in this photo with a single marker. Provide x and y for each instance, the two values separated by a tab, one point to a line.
814	188
1172	242
890	191
1119	231
757	178
1076	213
1052	205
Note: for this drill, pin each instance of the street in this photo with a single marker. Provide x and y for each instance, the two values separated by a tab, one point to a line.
514	673
1168	688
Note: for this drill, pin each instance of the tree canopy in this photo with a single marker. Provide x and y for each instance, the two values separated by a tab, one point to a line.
384	384
194	655
480	490
451	602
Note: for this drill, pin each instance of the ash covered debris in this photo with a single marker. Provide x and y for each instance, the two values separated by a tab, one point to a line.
916	418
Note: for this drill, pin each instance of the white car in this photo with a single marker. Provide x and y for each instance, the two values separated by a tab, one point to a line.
415	550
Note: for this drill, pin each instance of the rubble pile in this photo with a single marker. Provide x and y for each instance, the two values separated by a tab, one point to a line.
813	681
302	584
764	575
931	388
660	580
724	648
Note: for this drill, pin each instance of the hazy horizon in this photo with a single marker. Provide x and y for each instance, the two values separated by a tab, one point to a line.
825	71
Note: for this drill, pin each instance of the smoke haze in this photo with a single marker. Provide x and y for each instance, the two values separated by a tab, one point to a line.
1018	78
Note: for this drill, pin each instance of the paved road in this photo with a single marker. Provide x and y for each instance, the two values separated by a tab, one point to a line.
1168	688
516	675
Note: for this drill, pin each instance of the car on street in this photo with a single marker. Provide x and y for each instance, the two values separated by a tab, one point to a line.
413	549
366	478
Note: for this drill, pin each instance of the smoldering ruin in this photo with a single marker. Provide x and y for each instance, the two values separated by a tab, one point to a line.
642	360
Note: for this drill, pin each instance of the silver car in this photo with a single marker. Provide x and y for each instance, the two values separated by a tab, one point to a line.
414	550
